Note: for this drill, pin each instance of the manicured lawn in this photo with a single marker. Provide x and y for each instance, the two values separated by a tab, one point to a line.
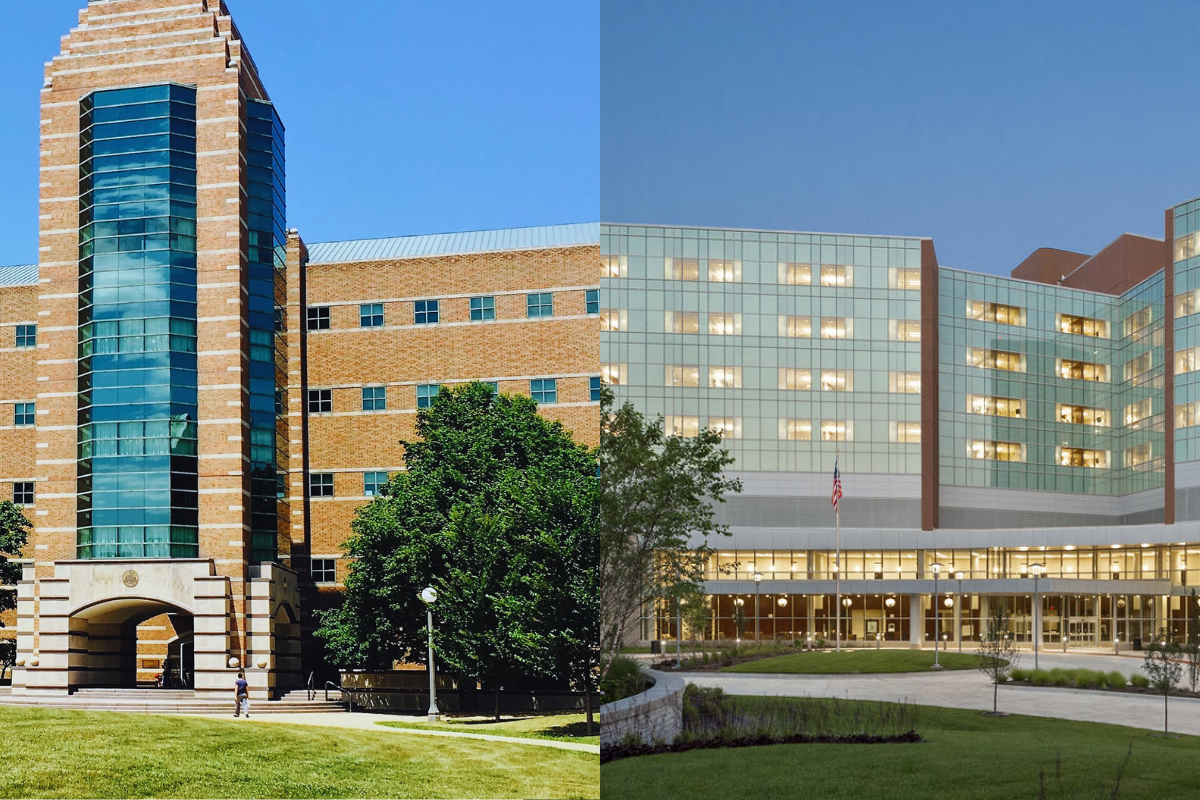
45	753
634	649
965	756
559	727
851	661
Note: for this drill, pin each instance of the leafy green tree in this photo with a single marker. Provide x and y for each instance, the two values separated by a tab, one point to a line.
1161	665
656	500
14	535
740	620
496	509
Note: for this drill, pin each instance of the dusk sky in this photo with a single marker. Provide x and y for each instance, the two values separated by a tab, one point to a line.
995	128
402	117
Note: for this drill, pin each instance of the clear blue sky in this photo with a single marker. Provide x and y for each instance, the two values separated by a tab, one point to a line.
996	128
402	116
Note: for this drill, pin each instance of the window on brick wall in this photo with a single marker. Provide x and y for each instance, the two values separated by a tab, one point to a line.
483	308
370	315
592	300
25	414
324	570
317	318
594	384
426	393
320	484
426	312
544	390
320	401
373	483
27	336
493	384
23	493
374	398
540	304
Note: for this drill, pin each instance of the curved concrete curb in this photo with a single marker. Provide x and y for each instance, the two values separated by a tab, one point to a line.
654	715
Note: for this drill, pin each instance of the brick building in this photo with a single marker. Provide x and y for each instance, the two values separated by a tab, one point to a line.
198	400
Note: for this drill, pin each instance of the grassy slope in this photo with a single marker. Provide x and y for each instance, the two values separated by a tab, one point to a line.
559	727
850	661
966	756
47	753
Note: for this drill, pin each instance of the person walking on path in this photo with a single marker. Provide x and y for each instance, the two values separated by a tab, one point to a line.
241	696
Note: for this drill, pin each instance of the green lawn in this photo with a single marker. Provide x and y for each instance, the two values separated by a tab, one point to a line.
559	727
45	753
965	756
851	661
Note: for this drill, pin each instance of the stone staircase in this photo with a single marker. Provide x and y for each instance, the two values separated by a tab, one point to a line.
174	701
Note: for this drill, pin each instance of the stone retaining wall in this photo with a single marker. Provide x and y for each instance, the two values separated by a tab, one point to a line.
654	715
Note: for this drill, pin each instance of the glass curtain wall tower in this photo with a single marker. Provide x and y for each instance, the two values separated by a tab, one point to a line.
137	312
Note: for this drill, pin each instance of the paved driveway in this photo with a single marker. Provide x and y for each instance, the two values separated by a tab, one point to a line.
971	689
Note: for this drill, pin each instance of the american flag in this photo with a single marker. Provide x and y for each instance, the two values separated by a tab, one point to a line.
837	486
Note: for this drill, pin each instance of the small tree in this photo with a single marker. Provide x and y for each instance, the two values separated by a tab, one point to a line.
998	652
1192	648
696	616
657	510
1162	667
739	620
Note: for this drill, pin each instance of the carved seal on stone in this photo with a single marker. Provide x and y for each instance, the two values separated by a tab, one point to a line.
130	578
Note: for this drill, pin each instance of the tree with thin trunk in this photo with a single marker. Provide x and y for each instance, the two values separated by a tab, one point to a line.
14	535
1161	665
739	620
657	501
998	652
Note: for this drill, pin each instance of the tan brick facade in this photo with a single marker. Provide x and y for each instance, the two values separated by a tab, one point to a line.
74	621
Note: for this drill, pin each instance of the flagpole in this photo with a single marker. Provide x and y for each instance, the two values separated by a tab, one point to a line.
837	564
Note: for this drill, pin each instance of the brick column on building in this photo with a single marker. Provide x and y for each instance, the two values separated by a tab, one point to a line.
930	444
1169	367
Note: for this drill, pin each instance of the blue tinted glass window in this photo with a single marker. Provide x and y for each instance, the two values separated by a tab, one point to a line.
370	315
25	414
544	390
374	398
373	482
483	308
594	385
426	312
426	393
541	304
592	300
27	336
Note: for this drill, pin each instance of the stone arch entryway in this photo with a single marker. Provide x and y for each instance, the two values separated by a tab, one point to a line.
112	644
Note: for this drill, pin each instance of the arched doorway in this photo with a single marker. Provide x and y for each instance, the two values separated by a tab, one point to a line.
126	642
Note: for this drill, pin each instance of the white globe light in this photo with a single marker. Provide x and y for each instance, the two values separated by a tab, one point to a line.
890	602
739	602
429	595
782	602
948	602
233	662
262	662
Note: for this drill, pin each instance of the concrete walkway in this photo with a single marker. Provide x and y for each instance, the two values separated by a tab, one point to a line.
970	689
367	722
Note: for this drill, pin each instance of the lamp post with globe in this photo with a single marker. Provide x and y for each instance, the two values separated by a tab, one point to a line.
429	595
936	568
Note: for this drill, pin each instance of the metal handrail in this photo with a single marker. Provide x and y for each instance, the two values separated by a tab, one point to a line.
345	694
312	693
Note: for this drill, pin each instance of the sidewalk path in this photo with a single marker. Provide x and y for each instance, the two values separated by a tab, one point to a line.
971	690
367	722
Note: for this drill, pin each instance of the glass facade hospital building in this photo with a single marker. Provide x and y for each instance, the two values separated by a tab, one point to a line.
986	428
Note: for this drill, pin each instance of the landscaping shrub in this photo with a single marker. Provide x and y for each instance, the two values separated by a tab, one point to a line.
1019	674
625	679
1139	680
1088	679
1061	677
1115	680
1041	677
